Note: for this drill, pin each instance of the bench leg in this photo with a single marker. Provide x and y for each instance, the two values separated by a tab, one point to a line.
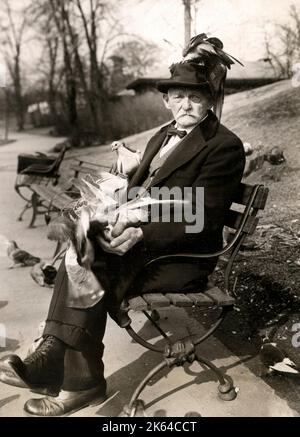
226	388
135	404
27	206
34	203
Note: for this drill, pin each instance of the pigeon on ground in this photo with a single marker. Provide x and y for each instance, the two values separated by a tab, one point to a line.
20	257
276	360
275	156
43	274
248	149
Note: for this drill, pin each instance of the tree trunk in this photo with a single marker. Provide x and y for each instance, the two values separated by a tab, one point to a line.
187	21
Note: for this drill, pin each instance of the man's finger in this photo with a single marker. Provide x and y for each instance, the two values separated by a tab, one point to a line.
116	242
119	227
104	244
107	247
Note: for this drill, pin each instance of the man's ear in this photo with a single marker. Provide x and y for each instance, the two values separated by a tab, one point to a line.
166	101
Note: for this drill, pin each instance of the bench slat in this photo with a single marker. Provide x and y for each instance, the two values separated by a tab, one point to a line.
57	198
156	300
201	300
234	218
179	299
138	303
244	192
81	169
219	297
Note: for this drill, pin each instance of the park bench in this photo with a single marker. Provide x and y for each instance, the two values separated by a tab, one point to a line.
49	199
41	180
36	170
81	166
242	220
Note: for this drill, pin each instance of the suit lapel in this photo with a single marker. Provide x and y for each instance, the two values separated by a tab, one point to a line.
151	150
188	148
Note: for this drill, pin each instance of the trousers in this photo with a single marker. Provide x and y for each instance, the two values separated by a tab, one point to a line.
82	330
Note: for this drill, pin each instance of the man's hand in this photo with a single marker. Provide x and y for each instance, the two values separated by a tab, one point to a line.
121	243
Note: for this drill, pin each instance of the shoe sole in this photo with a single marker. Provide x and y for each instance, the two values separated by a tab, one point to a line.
91	403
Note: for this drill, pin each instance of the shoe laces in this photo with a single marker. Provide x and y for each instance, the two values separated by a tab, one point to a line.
41	352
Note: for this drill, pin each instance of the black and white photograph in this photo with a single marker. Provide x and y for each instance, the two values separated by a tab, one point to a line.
150	211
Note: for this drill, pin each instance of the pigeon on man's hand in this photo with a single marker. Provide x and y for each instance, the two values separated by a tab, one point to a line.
128	159
20	257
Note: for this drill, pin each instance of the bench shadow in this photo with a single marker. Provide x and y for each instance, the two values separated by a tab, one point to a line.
124	381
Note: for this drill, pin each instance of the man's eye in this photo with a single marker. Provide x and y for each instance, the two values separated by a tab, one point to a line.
195	99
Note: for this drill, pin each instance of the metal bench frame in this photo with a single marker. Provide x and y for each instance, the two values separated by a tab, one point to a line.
253	199
37	174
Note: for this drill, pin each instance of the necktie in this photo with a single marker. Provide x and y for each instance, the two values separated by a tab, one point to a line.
173	131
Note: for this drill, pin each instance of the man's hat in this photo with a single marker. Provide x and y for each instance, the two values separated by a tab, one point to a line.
204	63
188	74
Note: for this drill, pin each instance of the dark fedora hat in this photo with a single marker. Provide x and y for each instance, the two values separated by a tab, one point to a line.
185	74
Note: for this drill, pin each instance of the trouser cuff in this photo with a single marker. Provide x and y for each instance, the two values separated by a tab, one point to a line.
73	336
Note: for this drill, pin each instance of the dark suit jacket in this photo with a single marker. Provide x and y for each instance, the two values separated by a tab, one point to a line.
211	156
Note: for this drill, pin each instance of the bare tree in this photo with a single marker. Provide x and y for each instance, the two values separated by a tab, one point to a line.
48	65
12	38
283	48
80	37
131	59
189	19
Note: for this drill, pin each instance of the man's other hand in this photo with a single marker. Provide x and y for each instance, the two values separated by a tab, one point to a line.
123	242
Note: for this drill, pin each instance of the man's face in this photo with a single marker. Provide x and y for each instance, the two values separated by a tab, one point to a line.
188	105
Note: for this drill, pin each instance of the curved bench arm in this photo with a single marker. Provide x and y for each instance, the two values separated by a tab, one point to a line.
225	248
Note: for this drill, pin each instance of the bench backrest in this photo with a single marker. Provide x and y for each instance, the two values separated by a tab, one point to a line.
242	217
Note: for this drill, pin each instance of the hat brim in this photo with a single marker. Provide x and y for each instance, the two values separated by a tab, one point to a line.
164	85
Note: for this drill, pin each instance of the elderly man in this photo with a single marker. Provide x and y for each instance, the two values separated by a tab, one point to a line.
194	151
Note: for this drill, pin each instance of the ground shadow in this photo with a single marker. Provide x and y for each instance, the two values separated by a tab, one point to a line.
3	303
11	345
7	400
124	381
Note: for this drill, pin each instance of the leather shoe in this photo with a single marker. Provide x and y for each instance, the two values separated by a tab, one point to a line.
66	402
42	371
8	375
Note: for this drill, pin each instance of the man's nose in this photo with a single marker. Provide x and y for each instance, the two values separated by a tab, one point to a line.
186	103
